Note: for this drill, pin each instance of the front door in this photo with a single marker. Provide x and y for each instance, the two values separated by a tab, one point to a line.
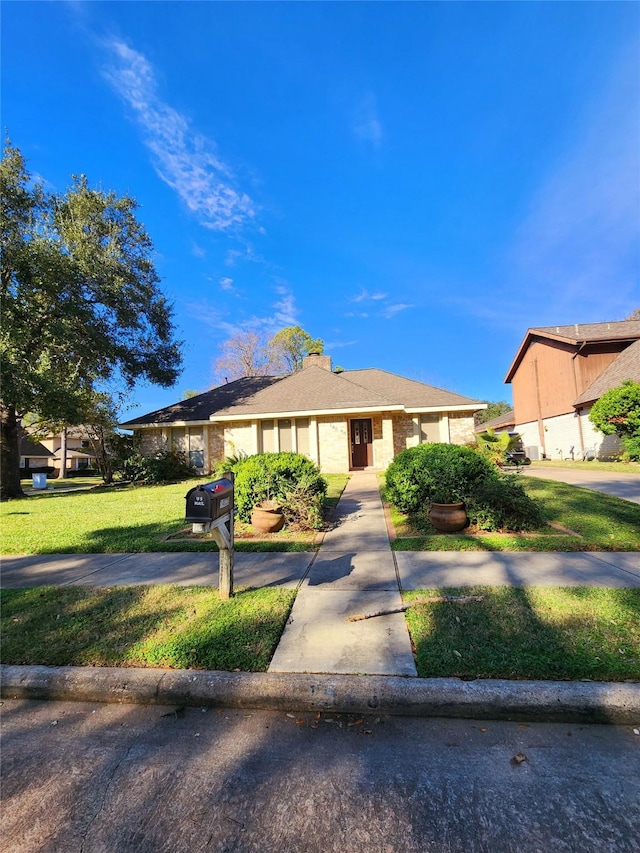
361	443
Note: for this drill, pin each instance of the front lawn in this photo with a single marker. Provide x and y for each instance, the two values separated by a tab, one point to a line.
124	519
584	521
154	626
571	633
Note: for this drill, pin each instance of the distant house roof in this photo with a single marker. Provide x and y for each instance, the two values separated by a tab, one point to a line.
625	366
507	419
33	449
313	390
577	334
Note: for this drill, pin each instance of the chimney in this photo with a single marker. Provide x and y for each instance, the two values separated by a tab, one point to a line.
314	359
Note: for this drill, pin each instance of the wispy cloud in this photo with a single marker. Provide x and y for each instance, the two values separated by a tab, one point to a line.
390	311
183	158
366	122
365	296
575	254
226	283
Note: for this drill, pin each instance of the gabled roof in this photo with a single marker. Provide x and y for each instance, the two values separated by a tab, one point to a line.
578	334
625	366
312	390
506	419
33	448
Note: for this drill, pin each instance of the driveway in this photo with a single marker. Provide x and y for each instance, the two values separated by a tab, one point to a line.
625	486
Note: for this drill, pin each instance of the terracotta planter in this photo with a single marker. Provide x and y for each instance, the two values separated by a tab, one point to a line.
267	517
448	518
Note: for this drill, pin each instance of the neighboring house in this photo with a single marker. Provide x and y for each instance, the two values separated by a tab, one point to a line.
342	421
34	456
79	454
557	375
505	422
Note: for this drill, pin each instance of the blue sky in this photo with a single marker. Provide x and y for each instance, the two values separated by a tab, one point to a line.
414	183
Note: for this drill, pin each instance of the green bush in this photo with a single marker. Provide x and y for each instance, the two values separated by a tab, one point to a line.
163	467
436	473
503	504
289	478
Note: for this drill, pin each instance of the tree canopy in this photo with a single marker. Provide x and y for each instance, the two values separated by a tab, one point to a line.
247	353
618	412
80	302
492	411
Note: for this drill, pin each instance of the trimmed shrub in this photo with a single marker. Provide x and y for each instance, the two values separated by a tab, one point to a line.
436	473
166	466
503	504
289	478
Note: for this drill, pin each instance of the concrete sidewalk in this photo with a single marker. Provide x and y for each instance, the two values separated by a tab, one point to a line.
353	573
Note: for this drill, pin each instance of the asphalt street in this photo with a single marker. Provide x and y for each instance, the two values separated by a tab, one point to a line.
99	777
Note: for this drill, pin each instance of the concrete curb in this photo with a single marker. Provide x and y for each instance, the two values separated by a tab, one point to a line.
541	701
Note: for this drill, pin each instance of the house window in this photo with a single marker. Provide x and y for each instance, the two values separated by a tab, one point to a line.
429	429
83	463
284	434
302	436
179	439
267	439
196	458
84	444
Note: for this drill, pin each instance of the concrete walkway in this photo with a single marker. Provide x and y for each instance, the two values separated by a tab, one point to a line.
353	573
625	486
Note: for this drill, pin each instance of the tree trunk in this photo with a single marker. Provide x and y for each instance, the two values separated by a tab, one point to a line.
9	454
63	455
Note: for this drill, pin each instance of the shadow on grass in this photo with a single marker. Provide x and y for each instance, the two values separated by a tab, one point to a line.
168	626
567	633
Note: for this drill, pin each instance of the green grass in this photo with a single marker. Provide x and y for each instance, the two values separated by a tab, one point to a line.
121	519
603	523
569	633
143	626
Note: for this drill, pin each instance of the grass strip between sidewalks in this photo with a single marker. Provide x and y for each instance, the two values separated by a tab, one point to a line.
144	626
518	633
550	633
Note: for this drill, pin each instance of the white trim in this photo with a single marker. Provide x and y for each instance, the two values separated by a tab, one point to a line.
305	413
427	409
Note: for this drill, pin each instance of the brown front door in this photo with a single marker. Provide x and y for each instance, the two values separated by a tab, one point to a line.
361	443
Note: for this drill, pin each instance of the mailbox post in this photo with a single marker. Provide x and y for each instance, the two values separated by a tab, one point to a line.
210	508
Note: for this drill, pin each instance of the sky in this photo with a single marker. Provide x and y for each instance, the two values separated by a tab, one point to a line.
416	183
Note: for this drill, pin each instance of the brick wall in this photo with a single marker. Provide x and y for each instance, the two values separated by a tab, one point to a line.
460	428
333	444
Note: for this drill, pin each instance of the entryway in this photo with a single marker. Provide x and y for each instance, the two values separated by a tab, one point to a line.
361	443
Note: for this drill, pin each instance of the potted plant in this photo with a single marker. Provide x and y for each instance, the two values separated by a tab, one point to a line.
267	516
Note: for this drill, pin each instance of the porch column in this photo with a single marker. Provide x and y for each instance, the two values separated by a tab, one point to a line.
445	437
314	449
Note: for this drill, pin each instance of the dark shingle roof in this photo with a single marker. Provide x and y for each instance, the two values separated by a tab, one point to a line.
310	390
33	448
200	407
625	366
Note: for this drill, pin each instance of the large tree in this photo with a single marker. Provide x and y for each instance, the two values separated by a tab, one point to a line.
243	354
248	354
289	346
80	303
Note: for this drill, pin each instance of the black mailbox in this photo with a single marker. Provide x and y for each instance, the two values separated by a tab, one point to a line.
209	501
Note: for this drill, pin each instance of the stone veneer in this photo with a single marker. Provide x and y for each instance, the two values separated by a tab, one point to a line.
461	428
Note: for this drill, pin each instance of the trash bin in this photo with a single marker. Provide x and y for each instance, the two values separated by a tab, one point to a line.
39	481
